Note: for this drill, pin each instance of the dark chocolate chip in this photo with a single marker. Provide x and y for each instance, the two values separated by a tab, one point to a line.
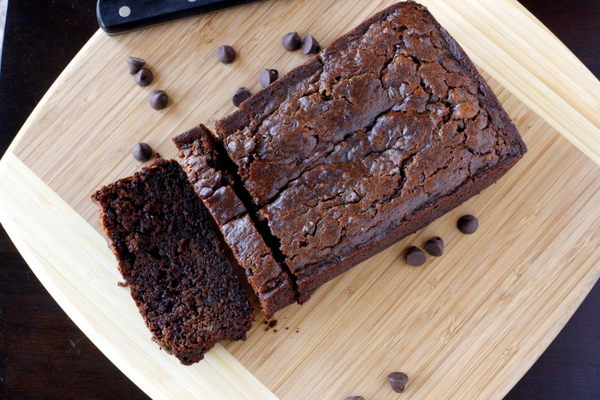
158	99
135	64
310	45
415	256
142	152
291	41
398	381
144	77
355	398
226	54
240	95
435	246
267	76
467	224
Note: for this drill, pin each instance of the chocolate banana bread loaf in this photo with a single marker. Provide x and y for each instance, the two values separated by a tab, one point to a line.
381	133
203	159
169	256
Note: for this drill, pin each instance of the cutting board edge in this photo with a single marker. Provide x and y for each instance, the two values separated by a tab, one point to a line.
37	112
593	277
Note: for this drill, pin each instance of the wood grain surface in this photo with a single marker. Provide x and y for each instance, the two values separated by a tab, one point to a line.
435	306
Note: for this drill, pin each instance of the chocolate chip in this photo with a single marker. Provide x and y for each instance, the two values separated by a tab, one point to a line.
158	99
144	77
267	76
291	41
398	381
142	152
135	64
226	54
415	256
240	95
355	398
310	45
467	224
435	246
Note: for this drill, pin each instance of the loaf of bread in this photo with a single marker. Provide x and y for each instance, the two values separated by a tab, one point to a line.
385	130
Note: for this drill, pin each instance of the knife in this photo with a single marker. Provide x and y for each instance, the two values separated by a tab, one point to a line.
119	16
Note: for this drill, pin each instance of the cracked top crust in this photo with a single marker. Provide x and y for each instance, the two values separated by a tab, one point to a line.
387	119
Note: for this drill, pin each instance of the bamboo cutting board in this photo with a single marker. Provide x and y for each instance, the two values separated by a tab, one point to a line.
467	325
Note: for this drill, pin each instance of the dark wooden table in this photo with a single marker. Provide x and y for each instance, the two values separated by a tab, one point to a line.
44	355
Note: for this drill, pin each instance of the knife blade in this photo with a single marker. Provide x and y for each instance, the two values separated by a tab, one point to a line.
119	16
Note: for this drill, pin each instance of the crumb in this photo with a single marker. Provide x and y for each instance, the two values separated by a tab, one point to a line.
270	324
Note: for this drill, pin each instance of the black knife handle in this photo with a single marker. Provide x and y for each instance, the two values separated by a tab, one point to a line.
119	16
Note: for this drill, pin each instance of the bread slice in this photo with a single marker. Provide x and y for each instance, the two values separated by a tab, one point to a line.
203	160
170	257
